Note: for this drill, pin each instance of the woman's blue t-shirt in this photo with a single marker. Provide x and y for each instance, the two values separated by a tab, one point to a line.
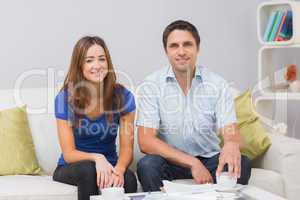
97	135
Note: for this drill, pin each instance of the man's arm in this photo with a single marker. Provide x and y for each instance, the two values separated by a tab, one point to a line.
230	153
150	144
226	123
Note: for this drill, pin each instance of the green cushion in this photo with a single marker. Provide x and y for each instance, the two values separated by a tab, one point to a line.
16	145
245	112
254	136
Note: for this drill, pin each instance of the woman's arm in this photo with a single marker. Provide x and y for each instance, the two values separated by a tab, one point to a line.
71	154
67	144
126	137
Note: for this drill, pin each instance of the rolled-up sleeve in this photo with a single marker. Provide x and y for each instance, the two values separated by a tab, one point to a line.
148	105
225	109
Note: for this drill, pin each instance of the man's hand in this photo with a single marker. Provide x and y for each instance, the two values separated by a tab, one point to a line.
230	155
200	174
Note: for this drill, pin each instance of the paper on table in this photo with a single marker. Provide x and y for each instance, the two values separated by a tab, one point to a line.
179	191
212	195
170	187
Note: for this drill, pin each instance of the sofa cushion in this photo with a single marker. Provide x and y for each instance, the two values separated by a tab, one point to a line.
245	112
40	110
254	136
268	180
45	139
16	145
35	188
289	155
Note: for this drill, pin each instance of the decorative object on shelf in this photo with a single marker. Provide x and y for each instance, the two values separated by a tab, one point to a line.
295	86
291	73
291	78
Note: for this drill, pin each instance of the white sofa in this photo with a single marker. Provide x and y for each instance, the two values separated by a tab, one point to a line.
276	171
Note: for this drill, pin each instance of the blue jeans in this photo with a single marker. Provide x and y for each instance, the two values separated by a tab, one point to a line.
152	169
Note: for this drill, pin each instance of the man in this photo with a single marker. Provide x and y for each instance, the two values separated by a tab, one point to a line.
182	109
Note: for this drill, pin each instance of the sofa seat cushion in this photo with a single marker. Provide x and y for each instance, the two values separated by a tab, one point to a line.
35	187
268	180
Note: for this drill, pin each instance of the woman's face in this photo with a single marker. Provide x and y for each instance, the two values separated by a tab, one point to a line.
95	67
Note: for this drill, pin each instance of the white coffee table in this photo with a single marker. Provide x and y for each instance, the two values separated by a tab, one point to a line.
250	192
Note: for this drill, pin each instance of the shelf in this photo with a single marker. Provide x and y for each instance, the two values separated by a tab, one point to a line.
263	13
268	94
272	63
274	106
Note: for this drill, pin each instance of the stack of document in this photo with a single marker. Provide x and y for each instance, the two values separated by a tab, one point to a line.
177	191
171	188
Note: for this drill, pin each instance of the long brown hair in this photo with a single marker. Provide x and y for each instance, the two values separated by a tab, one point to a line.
80	97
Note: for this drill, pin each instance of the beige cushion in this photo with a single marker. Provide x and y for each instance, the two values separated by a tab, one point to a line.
268	180
283	157
45	139
290	165
35	188
260	194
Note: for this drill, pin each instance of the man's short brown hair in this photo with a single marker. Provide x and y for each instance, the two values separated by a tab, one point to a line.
181	25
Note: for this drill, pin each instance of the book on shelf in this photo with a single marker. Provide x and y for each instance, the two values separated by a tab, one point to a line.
287	27
269	25
279	26
275	26
290	25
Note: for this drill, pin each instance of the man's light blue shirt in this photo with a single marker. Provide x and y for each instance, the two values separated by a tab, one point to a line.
189	122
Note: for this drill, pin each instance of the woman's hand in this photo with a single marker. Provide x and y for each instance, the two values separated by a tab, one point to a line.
104	171
117	179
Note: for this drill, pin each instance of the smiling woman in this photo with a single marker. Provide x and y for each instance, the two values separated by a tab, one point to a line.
95	67
89	109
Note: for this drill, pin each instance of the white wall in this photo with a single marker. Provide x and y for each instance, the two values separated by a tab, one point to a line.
39	34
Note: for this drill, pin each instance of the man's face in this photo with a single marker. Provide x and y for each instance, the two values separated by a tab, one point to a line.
182	50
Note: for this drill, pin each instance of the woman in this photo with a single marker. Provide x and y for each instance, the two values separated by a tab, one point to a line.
89	110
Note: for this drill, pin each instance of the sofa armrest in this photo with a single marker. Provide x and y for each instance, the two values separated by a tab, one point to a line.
271	127
283	156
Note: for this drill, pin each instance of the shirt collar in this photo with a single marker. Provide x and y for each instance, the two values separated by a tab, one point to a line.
198	75
170	76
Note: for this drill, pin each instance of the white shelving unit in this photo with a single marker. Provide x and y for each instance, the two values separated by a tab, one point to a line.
272	62
273	58
263	13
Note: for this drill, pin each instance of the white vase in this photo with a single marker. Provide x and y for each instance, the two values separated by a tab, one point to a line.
294	86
